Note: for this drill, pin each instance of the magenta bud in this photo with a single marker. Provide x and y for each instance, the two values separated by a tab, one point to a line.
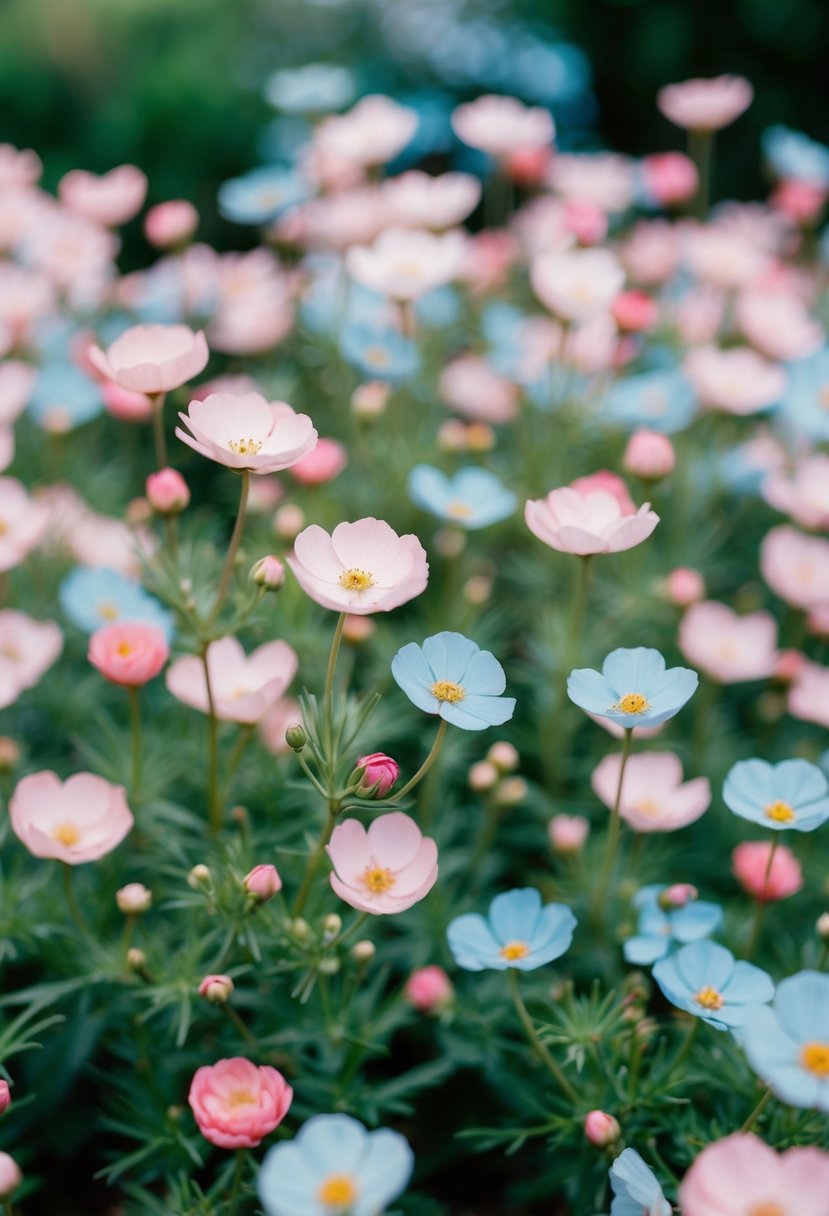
216	989
167	492
262	883
601	1129
429	990
268	573
5	1096
677	896
379	774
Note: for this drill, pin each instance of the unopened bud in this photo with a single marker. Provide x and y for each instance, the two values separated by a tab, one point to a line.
167	492
9	754
268	573
10	1175
357	628
601	1129
482	776
369	400
133	899
295	737
5	1096
450	542
136	959
504	756
363	952
477	590
331	927
289	521
511	791
300	930
568	833
217	989
677	896
329	965
822	926
263	882
199	877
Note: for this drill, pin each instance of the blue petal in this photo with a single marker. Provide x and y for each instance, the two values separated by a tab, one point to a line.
472	944
483	675
590	691
704	965
633	670
643	950
513	915
448	655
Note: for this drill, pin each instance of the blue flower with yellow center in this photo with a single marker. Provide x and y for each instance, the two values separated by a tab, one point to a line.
93	597
262	195
379	353
633	689
661	927
473	498
705	979
517	932
793	794
452	677
787	1044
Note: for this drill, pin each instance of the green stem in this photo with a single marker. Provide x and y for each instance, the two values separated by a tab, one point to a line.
757	1112
314	859
240	1026
72	903
701	152
760	904
233	1200
214	806
159	436
135	726
613	833
532	1034
242	743
233	547
356	924
331	669
687	1044
427	763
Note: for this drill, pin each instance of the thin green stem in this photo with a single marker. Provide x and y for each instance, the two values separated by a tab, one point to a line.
687	1044
541	1051
242	743
71	902
303	763
760	904
214	805
233	548
240	1026
236	1188
427	763
613	833
331	669
135	728
701	152
314	859
159	436
757	1112
356	924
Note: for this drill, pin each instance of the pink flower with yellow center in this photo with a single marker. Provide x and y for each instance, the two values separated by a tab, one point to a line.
742	1176
247	432
152	358
384	869
74	821
131	653
237	1104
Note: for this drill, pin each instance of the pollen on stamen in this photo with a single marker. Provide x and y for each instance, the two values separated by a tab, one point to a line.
338	1191
446	690
356	580
779	812
241	1097
514	950
709	998
458	510
66	833
244	447
815	1059
631	703
377	879
108	611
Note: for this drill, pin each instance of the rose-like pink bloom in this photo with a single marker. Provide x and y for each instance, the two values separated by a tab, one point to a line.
370	133
684	586
325	462
419	200
124	404
475	390
169	224
803	495
217	989
23	523
501	125
237	1104
74	821
386	869
670	177
750	862
737	380
634	311
130	653
728	647
575	520
362	567
406	263
796	567
429	990
778	324
809	694
568	833
263	882
167	492
247	432
576	284
654	797
649	455
585	220
109	199
28	648
152	358
742	1176
10	1175
244	687
379	776
705	105
601	1129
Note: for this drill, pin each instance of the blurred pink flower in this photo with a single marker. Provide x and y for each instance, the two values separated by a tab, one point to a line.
167	492
649	455
801	202
28	648
654	798
17	379
384	869
809	694
18	166
152	358
5	1097
429	990
568	833
237	1104
404	264
475	390
10	1175
109	199
796	567
736	380
804	494
247	432
729	648
502	125
578	283
778	324
740	1175
74	821
650	252
670	177
684	586
23	523
124	404
634	311
323	463
750	862
420	200
244	687
585	220
578	520
275	722
604	178
705	104
362	567
169	224
370	133
131	653
255	306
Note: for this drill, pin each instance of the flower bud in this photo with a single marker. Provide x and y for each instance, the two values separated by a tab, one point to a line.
331	927
216	989
450	542
480	437
167	492
822	926
199	877
452	436
504	756
289	521
328	966
789	665
649	455
295	737
138	511
10	1175
133	899
363	952
568	833
429	990
9	754
357	628
477	590
325	462
684	586
677	896
263	882
511	792
483	776
369	400
5	1096
634	311
379	775
300	930
136	959
601	1129
167	225
268	573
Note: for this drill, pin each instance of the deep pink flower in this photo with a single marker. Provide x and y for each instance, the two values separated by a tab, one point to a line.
654	798
244	687
386	869
75	821
263	882
574	521
237	1104
670	177
634	311
742	1176
429	989
167	492
727	647
247	432
705	105
152	358
169	224
379	775
130	653
750	861
5	1096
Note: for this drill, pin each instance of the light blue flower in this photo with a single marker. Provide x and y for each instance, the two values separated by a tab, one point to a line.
334	1165
803	404
64	397
661	400
451	676
262	195
787	1044
517	932
473	498
314	88
96	596
661	927
379	353
705	979
793	794
635	1188
633	688
438	309
792	154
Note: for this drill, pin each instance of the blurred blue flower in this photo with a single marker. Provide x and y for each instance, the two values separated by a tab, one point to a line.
262	195
314	88
517	932
791	154
472	498
93	597
635	1188
633	689
793	794
64	397
335	1165
449	675
662	400
379	354
438	309
705	979
660	926
803	405
787	1044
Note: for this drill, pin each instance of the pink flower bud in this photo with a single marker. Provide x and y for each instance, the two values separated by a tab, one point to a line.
601	1129
789	666
124	404
822	926
749	863
528	166
131	653
511	791
9	753
268	573
670	177
325	462
167	491
483	776
357	628
263	882
379	774
504	756
133	899
685	586
10	1175
568	833
170	224
5	1096
451	436
216	989
634	311
678	895
586	221
649	455
369	400
429	990
289	520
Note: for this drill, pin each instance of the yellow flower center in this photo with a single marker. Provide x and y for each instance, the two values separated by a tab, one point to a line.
377	356
780	812
458	510
445	690
124	650
66	833
356	580
631	703
647	806
9	652
766	1209
3	527
338	1191
244	447
709	998
815	1058
108	611
240	1097
377	879
514	950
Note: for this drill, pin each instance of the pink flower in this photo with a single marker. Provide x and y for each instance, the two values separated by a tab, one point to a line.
729	648
778	324
804	494
475	390
601	1129
5	1097
18	167
109	199
573	520
796	567
10	1175
263	882
568	833
429	990
167	492
585	220
16	383
705	105
379	775
28	648
371	133
684	586
247	432
131	653
420	200
634	311
169	224
244	687
237	1104
741	1176
406	263
501	125
801	202
604	178
386	869
23	523
809	694
78	820
217	989
649	455
737	380
362	567
152	358
750	862
610	483
124	404
576	284
670	177
654	798
325	462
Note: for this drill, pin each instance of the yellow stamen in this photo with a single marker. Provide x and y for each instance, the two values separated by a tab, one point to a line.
241	1097
631	703
4	527
124	649
815	1058
766	1209
647	806
458	510
377	356
338	1191
709	998
108	611
378	879
780	812
514	950
244	447
66	833
356	580
445	690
